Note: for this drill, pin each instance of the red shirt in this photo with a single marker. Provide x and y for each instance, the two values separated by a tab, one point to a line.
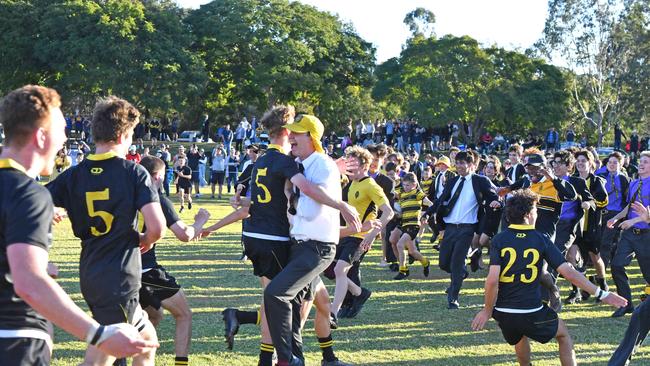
134	157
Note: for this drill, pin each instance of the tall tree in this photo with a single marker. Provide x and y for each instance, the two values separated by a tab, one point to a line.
582	33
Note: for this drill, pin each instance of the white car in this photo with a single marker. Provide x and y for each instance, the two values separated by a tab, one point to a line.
189	136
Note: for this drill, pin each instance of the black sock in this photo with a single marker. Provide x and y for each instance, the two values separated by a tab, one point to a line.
247	317
601	283
326	347
266	354
181	361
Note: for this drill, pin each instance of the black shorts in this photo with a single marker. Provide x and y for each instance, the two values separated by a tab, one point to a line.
217	177
540	326
588	243
391	225
185	185
24	352
157	285
121	311
268	256
195	176
348	250
565	234
411	230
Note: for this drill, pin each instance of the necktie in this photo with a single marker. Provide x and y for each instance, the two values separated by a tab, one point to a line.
454	198
293	200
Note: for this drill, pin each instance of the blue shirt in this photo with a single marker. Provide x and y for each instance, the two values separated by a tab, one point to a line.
614	192
643	196
569	208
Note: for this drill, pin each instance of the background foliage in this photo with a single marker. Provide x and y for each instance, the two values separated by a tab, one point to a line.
234	58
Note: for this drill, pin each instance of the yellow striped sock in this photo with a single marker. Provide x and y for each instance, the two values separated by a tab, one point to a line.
259	317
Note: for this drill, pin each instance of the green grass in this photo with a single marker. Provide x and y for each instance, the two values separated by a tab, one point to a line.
403	323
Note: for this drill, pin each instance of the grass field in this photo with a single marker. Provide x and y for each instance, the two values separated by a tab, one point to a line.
403	323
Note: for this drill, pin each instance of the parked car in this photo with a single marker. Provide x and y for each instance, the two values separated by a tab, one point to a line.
189	136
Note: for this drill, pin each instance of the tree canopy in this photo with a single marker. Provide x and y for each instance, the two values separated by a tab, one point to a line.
231	58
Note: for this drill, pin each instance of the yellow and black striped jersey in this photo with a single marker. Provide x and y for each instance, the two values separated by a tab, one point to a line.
411	203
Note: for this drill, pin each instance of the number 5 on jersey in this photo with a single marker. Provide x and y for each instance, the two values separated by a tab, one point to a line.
91	197
267	194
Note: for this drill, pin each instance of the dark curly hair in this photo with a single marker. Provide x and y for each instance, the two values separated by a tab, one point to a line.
520	204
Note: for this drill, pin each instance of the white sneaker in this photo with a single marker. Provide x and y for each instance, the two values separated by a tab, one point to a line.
383	263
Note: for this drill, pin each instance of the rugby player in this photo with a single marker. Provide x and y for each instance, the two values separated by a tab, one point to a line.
513	289
29	297
102	196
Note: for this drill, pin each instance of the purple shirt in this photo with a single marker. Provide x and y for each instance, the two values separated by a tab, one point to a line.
614	192
643	196
569	208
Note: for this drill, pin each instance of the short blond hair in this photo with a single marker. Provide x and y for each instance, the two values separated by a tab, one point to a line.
358	152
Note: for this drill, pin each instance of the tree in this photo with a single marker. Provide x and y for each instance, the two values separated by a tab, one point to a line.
86	49
420	22
584	34
262	52
454	79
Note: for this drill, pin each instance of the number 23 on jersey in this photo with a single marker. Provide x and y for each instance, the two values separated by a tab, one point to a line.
530	255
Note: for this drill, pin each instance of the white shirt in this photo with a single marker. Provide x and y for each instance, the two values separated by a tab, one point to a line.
465	210
513	173
314	221
439	185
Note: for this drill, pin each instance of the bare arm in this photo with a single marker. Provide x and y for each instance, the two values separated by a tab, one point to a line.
154	220
491	292
237	215
576	278
320	195
620	215
386	215
186	232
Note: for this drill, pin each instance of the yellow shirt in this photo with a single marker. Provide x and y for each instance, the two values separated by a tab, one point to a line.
365	195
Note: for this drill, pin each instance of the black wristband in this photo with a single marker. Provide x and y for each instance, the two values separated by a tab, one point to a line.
97	335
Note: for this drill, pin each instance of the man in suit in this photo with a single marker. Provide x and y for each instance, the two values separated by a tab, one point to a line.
516	170
443	175
458	207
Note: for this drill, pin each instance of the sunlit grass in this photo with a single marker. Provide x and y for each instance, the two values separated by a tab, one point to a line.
404	323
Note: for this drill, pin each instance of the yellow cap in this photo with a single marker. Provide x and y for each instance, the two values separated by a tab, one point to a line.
444	160
306	123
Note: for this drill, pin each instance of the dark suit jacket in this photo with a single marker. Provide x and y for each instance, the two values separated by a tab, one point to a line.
484	191
519	172
432	190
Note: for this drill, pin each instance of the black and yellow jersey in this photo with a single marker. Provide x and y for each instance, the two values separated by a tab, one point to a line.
551	195
268	211
426	185
411	203
366	196
520	251
102	196
149	259
25	217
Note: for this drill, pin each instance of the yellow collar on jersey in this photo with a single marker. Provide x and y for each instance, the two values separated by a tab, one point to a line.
104	156
11	163
277	147
522	227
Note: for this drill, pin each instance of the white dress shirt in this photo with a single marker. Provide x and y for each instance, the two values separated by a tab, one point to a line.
439	185
465	210
314	221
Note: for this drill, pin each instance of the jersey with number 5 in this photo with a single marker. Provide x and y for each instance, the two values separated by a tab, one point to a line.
520	251
268	211
102	196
